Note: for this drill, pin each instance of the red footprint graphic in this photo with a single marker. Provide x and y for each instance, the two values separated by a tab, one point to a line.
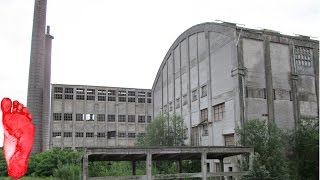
18	136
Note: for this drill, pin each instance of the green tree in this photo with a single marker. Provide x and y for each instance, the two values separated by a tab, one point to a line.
164	130
3	164
304	150
269	143
44	164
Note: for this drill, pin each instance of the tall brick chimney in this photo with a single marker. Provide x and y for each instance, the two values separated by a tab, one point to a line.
38	74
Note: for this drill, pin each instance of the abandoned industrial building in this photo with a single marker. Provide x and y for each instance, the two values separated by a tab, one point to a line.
216	76
88	116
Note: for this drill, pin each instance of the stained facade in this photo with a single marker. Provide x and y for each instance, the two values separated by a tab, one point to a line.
93	116
218	75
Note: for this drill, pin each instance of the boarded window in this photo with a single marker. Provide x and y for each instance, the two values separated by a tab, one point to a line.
229	140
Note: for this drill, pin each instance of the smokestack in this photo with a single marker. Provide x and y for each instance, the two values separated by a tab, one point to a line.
36	71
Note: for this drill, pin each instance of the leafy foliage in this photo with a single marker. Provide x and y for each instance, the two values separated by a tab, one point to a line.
304	150
269	143
44	164
164	130
3	165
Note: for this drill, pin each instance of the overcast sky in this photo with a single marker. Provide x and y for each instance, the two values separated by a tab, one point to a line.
122	43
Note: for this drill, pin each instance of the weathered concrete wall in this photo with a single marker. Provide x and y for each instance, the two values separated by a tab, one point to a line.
281	69
98	107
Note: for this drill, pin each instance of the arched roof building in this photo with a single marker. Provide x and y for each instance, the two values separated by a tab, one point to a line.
218	75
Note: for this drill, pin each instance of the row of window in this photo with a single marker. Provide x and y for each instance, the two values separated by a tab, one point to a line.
204	93
102	98
101	92
101	117
218	113
108	134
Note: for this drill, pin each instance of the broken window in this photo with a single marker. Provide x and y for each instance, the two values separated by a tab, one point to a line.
68	93
204	114
111	92
90	117
111	98
148	119
58	92
56	134
80	94
68	90
194	95
111	118
57	116
132	118
141	119
122	93
79	134
122	134
101	117
141	100
185	99
131	135
111	134
122	99
131	99
102	95
89	134
141	94
101	134
131	93
149	100
218	111
177	103
67	134
79	117
67	117
204	91
122	118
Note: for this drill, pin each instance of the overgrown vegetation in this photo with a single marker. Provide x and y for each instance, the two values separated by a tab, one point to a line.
279	154
164	130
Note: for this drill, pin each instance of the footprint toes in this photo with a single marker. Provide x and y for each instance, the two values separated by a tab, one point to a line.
20	107
6	105
29	116
15	106
25	110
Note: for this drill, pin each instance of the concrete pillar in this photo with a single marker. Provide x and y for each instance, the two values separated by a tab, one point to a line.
221	167
85	167
204	165
180	166
149	166
134	165
251	157
269	84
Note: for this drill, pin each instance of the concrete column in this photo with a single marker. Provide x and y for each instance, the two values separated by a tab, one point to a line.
134	164
85	167
204	165
221	168
149	166
269	84
180	166
251	157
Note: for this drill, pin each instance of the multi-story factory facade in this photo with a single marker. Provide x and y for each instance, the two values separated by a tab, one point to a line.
216	76
93	116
